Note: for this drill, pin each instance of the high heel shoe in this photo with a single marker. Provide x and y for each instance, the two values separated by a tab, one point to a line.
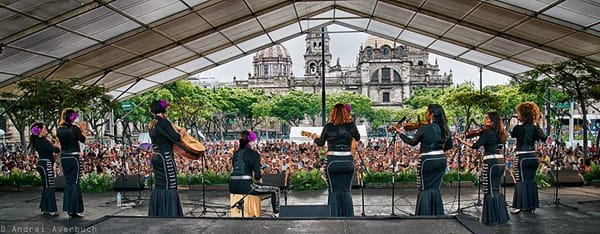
50	214
75	216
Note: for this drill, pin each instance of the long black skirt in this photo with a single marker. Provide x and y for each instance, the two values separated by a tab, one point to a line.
340	170
164	201
72	197
494	206
430	172
526	193
46	169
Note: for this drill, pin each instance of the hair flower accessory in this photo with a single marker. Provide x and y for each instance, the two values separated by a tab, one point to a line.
251	136
163	103
73	116
348	107
36	130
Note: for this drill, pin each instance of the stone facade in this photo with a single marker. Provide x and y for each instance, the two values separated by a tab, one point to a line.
385	71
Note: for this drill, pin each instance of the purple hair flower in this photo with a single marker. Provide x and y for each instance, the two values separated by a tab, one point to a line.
348	107
36	130
251	136
163	103
73	116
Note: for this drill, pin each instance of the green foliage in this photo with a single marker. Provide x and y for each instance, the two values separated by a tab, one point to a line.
593	174
544	181
295	106
19	178
303	180
361	104
464	176
210	178
385	177
96	183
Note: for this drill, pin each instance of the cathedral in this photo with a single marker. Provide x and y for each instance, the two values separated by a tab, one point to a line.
385	71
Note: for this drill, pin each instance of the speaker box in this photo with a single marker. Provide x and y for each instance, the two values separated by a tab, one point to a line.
567	177
59	183
298	211
129	183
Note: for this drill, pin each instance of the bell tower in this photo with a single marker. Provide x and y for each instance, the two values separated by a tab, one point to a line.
312	56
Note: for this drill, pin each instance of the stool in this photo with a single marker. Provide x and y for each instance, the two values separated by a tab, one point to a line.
251	205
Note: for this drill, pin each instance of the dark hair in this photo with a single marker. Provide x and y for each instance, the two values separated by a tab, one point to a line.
32	137
68	115
159	106
244	139
439	118
498	126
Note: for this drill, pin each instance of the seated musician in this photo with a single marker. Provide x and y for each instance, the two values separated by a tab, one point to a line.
246	167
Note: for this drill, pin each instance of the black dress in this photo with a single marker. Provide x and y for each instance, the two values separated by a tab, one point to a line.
246	162
431	167
526	164
70	136
45	166
164	201
340	166
494	205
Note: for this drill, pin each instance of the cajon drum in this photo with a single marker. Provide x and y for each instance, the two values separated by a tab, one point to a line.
251	205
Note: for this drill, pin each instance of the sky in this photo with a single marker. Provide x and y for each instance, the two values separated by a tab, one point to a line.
346	47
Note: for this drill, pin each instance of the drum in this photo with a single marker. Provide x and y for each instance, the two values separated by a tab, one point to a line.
189	147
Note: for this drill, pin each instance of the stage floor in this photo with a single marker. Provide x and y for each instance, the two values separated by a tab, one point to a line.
578	213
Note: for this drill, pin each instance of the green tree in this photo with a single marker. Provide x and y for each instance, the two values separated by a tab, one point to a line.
576	78
295	106
360	104
40	99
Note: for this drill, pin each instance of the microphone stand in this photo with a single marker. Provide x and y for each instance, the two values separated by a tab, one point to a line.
392	143
362	169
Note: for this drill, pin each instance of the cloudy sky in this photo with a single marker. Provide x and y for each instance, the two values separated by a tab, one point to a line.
346	46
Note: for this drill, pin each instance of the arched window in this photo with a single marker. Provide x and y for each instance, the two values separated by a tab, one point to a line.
397	77
375	76
386	75
369	52
399	52
312	68
266	70
385	51
275	69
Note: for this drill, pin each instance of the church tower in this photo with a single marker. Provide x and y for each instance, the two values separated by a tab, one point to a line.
312	56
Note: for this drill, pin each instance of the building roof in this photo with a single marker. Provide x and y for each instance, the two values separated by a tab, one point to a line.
133	46
275	52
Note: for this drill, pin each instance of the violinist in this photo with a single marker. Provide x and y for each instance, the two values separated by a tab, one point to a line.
492	137
434	136
525	196
70	135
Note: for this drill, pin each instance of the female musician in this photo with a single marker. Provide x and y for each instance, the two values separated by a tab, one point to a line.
70	135
246	166
164	201
434	137
492	137
526	194
45	166
338	133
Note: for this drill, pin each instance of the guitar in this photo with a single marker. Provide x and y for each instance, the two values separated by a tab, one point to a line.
315	136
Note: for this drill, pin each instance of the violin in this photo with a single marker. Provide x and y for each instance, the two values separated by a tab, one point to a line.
413	126
477	132
410	126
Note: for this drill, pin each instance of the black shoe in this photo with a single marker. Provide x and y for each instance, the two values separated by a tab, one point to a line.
75	216
50	214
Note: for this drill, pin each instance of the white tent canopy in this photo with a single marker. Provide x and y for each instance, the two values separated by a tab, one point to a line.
296	136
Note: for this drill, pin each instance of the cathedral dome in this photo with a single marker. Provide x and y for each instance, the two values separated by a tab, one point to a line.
275	51
377	42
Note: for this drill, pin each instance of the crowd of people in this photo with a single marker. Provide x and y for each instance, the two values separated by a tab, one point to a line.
279	155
